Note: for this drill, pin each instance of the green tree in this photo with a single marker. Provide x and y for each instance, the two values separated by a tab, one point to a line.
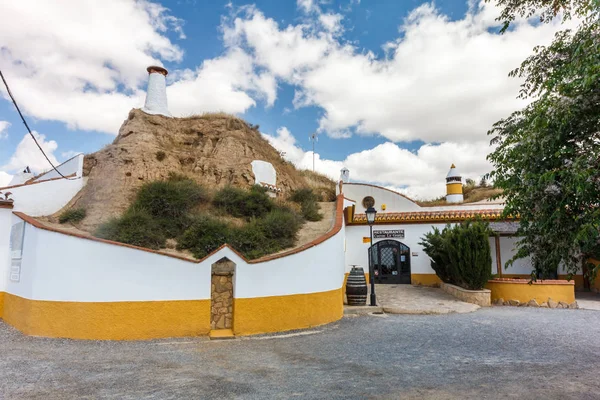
547	159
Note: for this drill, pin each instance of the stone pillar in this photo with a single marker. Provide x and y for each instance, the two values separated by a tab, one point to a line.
221	310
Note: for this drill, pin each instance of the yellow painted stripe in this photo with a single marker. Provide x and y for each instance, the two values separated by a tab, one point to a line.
425	280
1	304
454	188
525	292
284	313
108	321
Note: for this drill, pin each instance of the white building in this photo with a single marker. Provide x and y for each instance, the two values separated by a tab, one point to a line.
401	223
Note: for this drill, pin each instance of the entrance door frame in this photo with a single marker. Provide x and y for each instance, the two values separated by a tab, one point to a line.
403	267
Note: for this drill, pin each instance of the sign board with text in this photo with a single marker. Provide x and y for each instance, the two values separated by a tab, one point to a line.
388	233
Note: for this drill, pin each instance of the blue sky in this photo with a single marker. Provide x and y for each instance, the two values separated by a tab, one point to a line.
397	90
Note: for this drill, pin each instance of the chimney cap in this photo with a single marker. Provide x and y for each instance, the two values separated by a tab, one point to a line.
155	68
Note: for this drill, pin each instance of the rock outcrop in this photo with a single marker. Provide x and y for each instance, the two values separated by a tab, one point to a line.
213	149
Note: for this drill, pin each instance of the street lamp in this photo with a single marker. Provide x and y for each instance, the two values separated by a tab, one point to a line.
371	212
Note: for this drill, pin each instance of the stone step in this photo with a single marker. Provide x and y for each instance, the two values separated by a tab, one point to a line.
221	334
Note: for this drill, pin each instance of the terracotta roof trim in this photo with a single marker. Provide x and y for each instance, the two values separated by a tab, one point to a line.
432	216
332	232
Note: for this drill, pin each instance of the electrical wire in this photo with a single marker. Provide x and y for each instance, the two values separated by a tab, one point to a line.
29	130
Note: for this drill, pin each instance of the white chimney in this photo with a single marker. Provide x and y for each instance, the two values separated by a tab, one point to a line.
345	175
156	95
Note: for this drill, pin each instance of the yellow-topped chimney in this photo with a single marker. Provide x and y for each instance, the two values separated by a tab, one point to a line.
454	188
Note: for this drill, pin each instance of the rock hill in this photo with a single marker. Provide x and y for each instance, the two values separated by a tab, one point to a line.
213	149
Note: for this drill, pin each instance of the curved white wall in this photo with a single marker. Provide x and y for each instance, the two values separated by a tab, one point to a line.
393	201
62	267
45	198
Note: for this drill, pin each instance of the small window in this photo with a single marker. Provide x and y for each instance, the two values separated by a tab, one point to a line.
368	202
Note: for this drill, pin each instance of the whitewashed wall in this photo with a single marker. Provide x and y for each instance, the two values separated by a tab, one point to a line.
45	198
264	172
357	251
71	166
5	224
66	268
61	267
393	201
317	269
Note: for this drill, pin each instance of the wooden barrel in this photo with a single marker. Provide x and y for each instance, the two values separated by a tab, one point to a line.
356	287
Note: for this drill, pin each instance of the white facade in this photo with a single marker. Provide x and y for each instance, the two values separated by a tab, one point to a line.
61	267
454	198
48	193
384	198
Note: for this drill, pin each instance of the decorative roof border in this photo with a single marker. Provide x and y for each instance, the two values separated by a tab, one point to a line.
339	221
415	217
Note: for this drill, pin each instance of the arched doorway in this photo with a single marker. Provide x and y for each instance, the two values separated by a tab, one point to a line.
391	262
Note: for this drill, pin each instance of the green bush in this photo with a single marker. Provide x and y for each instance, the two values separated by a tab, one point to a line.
205	235
281	225
72	215
253	203
460	254
170	202
135	227
308	200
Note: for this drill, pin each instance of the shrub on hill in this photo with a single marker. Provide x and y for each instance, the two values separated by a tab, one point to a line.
168	209
460	254
72	215
135	227
308	201
253	203
170	202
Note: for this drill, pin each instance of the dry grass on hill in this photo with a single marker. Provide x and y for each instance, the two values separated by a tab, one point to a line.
472	194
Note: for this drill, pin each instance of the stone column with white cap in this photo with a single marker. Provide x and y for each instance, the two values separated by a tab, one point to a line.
156	94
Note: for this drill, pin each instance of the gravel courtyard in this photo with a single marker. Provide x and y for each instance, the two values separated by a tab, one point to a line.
494	353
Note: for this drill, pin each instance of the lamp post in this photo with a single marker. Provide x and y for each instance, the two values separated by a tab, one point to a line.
371	212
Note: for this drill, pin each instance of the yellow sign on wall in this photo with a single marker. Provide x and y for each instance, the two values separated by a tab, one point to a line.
366	239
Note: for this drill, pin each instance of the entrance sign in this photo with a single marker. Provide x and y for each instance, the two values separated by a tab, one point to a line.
388	233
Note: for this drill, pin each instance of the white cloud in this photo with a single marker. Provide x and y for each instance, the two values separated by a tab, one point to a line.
4	125
83	64
442	80
28	154
419	174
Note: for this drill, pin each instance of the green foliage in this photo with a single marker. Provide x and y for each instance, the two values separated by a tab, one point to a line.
170	202
243	203
547	159
205	235
72	215
274	232
308	201
460	254
168	209
135	227
546	9
160	155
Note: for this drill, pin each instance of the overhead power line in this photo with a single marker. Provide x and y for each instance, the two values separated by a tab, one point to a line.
27	126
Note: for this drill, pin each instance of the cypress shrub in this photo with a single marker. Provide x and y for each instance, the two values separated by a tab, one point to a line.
460	254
